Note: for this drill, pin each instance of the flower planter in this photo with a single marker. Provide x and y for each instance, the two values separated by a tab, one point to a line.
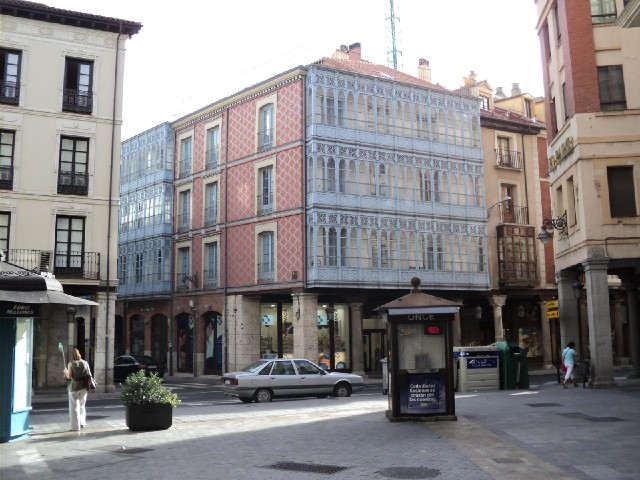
149	417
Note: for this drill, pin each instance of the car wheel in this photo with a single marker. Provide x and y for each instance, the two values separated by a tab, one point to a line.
263	395
342	390
246	400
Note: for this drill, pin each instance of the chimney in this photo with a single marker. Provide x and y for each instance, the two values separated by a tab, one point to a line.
500	93
355	51
515	90
341	53
424	70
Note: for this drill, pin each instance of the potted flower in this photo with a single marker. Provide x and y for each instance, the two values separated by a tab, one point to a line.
149	405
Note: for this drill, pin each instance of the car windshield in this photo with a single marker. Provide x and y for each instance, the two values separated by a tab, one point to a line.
255	366
143	359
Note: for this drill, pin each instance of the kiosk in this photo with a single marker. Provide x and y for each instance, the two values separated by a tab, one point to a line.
420	360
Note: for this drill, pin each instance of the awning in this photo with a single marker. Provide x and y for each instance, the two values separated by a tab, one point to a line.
46	296
18	285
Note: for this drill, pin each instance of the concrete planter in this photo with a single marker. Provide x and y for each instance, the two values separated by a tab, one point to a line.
149	417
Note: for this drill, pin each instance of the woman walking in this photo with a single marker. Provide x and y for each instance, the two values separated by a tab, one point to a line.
569	359
77	371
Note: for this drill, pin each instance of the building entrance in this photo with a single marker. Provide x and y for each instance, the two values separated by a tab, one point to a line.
374	345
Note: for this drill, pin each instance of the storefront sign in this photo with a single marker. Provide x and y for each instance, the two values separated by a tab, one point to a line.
482	362
16	310
561	153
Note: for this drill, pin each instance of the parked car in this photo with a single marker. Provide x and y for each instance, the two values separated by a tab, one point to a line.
288	377
127	364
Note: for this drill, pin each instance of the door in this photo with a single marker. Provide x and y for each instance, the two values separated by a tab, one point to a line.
283	379
374	344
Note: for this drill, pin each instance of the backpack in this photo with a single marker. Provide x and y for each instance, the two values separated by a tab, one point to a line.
79	370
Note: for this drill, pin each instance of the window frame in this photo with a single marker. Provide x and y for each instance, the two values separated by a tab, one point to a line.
72	181
73	263
613	103
78	94
7	151
621	187
9	90
5	231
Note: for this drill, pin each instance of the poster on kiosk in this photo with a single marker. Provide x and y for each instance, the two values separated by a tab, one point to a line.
420	362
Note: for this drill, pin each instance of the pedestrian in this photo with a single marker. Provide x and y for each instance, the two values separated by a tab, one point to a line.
569	360
76	372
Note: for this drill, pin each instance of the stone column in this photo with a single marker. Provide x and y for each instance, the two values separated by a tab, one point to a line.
497	302
305	332
568	308
634	325
599	316
457	328
357	360
619	314
547	359
105	331
244	331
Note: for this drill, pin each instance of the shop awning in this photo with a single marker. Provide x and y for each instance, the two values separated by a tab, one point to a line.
18	285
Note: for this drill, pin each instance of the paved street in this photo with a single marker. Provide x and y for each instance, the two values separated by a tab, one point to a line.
545	432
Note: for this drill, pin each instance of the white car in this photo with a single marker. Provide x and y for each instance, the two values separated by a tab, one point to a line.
288	377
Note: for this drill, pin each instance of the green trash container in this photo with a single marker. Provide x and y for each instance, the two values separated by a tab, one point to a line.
508	365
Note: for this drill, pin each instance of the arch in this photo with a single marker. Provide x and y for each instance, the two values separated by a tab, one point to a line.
213	330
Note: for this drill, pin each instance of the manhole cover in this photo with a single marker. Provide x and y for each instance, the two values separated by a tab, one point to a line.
307	467
543	405
409	472
507	460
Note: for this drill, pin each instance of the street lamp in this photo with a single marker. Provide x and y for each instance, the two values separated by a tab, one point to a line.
504	200
559	224
71	313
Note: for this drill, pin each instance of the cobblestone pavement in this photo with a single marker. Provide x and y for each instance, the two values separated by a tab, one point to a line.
545	432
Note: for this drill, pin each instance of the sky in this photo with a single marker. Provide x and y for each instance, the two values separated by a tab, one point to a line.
191	53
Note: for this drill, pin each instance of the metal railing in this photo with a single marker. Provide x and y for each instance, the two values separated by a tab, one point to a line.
514	214
212	156
77	101
265	139
186	282
210	215
210	278
73	183
265	204
183	223
508	158
6	177
266	272
184	168
10	93
68	265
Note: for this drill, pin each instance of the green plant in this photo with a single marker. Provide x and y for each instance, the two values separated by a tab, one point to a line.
140	389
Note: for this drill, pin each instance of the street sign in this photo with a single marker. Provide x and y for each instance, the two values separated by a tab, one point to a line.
553	314
552	304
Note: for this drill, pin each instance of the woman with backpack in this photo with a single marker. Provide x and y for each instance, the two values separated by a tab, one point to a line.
77	371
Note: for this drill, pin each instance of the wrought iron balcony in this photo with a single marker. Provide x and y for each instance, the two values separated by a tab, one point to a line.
6	177
84	265
185	282
210	279
183	222
265	204
508	158
266	272
10	93
77	101
73	183
212	157
514	214
265	140
210	215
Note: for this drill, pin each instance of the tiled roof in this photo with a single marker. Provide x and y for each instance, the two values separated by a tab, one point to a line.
504	115
365	67
45	13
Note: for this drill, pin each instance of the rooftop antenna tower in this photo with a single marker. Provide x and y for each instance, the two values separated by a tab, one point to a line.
394	52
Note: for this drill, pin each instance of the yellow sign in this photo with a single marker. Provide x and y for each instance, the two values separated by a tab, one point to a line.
551	304
553	314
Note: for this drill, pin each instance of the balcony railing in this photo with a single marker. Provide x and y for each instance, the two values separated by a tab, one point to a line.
266	273
185	282
265	204
77	101
210	278
184	168
265	140
514	214
210	215
69	265
183	222
73	183
10	93
6	177
212	157
508	158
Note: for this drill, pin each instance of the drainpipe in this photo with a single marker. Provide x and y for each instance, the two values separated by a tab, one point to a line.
226	242
111	164
524	169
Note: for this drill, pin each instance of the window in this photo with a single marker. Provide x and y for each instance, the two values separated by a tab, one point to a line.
77	95
265	196
5	223
139	265
211	204
571	202
265	127
517	255
603	11
211	266
157	266
611	85
503	152
69	245
622	192
213	147
484	102
184	168
183	267
7	142
266	262
73	174
565	106
184	210
527	109
10	80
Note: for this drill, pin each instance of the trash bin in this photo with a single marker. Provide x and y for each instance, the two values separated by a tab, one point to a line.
478	368
583	370
514	370
385	376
